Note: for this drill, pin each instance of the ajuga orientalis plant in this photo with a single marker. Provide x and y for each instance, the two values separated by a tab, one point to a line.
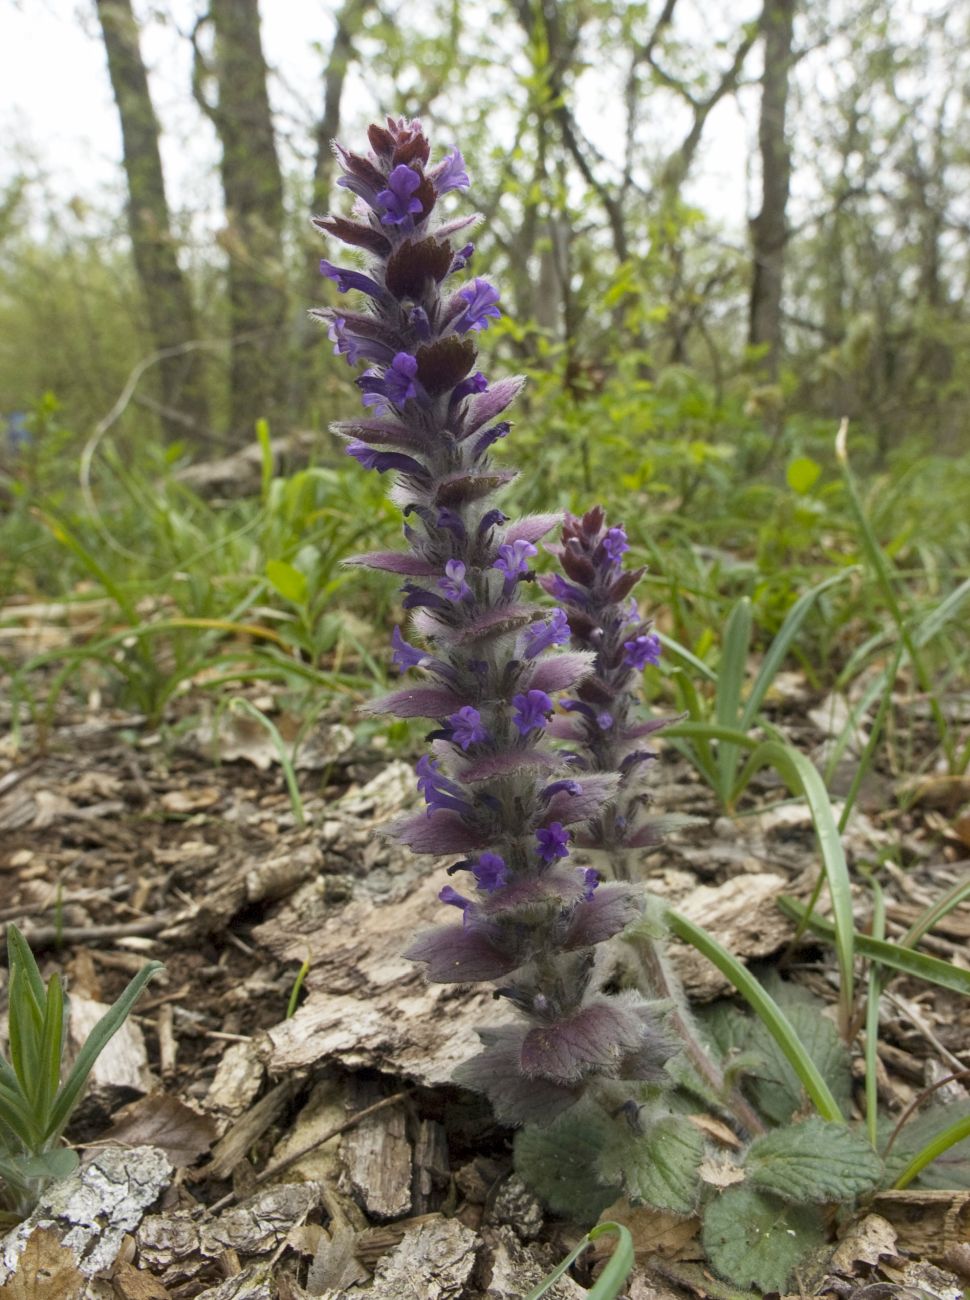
532	781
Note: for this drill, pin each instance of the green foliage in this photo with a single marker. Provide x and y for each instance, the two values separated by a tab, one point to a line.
35	1105
659	1167
933	1147
558	1161
814	1161
756	1240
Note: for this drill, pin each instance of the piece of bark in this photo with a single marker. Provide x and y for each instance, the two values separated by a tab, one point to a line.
253	1283
376	1156
325	1110
94	1208
743	915
514	1205
927	1224
335	1263
509	1269
238	1078
232	1147
433	1261
432	1170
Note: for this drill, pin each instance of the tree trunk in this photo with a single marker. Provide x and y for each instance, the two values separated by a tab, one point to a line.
168	301
253	190
769	229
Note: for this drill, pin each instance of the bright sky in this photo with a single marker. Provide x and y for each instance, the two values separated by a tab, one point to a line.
57	112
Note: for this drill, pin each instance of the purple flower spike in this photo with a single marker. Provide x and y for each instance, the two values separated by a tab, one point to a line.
540	636
531	711
405	656
398	199
450	174
513	561
453	584
615	544
642	650
490	873
466	727
353	346
481	304
476	383
553	842
399	378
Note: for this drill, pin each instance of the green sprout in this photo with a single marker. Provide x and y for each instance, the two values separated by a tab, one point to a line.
35	1105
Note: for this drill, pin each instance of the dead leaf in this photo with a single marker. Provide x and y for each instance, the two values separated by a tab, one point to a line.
162	1121
193	799
936	791
866	1242
718	1170
46	1270
654	1232
132	1283
716	1129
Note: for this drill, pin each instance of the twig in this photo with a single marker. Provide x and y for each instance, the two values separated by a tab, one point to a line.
45	935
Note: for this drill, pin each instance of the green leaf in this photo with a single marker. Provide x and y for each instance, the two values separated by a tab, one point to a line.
893	955
949	1168
755	1240
802	474
795	1062
775	1086
291	584
559	1162
20	956
94	1045
661	1167
815	1161
59	1163
49	1075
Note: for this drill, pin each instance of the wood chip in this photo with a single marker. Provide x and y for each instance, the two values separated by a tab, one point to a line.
376	1156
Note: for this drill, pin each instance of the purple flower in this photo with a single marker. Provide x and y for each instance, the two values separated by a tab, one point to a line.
354	346
462	258
642	650
615	544
405	656
491	435
382	461
450	174
589	879
346	280
481	303
466	727
453	584
398	199
490	873
531	711
513	561
452	897
604	720
553	842
476	383
399	378
420	323
438	791
540	636
453	521
559	589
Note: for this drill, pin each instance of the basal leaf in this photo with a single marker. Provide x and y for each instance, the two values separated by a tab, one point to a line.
774	1086
288	580
660	1168
949	1171
757	1241
815	1161
559	1162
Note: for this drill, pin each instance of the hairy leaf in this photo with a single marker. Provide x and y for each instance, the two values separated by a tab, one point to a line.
947	1172
559	1162
815	1161
754	1240
660	1168
774	1086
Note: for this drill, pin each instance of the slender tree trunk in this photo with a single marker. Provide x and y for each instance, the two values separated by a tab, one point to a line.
253	189
769	229
167	298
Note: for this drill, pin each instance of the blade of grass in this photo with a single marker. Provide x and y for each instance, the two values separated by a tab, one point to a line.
935	913
873	994
611	1281
238	703
956	1132
765	1007
730	681
905	960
